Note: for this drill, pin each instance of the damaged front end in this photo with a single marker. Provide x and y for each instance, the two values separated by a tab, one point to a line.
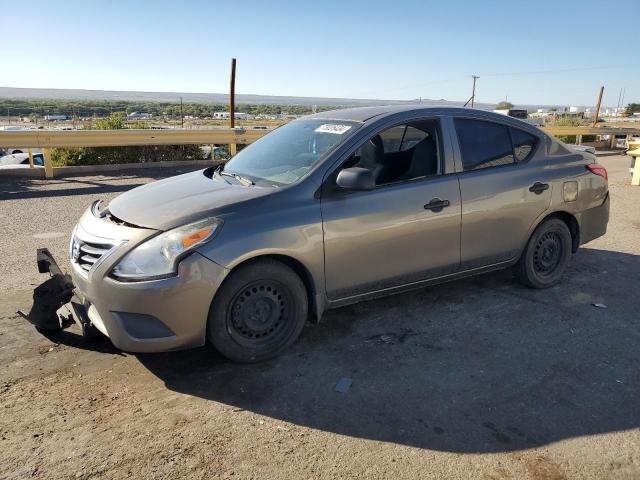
54	306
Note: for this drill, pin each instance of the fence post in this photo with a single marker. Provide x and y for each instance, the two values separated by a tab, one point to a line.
635	175
613	141
48	166
578	139
30	158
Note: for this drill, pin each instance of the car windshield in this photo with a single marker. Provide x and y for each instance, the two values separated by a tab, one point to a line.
286	154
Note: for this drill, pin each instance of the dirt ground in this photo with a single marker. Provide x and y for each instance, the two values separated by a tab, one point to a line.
480	379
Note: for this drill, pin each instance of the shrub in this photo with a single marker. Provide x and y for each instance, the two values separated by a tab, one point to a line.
571	121
117	155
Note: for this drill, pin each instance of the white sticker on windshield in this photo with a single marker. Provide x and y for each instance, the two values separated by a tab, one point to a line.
333	128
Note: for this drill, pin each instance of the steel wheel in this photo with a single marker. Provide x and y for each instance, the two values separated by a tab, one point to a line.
547	253
259	311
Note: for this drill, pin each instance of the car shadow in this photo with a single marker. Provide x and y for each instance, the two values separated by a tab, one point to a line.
479	365
73	338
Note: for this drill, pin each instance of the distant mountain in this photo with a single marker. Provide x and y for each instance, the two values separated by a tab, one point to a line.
73	94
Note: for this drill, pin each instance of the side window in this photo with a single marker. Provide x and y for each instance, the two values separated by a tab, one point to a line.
412	137
523	143
483	144
400	153
392	138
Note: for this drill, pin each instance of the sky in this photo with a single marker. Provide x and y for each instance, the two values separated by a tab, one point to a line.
529	52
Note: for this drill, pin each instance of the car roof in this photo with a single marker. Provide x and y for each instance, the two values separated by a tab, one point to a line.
366	114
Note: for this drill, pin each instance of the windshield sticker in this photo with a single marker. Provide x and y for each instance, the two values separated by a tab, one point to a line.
333	128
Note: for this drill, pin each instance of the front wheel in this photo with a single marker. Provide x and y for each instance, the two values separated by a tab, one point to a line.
546	255
258	312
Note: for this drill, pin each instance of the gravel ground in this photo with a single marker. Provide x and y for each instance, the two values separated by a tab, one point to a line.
480	378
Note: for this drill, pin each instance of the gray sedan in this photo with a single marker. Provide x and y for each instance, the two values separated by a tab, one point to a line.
328	210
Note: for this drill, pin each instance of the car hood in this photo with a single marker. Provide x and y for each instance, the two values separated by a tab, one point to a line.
177	200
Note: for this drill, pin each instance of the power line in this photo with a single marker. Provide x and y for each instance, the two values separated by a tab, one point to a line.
562	70
418	85
505	74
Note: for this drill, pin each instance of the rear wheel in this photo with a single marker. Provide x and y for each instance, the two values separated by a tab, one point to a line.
546	255
258	312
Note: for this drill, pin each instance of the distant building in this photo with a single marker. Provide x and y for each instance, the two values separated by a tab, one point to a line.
238	116
520	113
138	116
52	118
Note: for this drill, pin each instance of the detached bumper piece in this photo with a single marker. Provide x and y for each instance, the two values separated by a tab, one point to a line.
50	295
54	306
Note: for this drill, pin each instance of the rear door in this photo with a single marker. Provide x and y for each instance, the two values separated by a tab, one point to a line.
503	186
405	230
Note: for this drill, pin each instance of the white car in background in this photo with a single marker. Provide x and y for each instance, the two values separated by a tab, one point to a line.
10	150
20	160
581	148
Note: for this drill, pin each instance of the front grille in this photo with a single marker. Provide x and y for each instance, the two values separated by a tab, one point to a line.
87	253
90	253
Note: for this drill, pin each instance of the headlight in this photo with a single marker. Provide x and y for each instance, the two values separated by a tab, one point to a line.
159	256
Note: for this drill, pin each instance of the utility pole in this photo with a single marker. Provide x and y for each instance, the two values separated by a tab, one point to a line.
473	93
619	97
595	120
232	103
181	115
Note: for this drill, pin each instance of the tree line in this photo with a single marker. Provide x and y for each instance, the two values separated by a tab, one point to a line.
102	108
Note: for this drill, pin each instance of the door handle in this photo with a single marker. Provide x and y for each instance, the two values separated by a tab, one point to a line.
436	205
538	188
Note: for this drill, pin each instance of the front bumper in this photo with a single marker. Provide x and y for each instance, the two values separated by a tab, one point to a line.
146	316
152	316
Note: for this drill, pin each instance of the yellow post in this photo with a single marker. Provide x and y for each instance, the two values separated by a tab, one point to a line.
48	166
30	159
232	149
578	139
635	179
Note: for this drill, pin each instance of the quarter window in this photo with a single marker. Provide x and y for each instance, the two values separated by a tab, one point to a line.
523	144
483	144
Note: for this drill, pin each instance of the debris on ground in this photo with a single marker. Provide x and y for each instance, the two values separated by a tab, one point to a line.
599	305
343	385
391	338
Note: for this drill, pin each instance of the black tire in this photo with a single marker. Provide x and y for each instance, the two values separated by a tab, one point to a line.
258	312
546	255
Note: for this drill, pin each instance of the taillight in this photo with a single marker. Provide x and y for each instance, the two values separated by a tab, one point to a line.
598	170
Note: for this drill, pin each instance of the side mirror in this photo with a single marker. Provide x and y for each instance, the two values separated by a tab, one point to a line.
356	178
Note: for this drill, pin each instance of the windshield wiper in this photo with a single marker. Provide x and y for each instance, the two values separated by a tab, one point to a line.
243	180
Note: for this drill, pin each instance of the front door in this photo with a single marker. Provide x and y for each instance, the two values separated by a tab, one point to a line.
405	230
